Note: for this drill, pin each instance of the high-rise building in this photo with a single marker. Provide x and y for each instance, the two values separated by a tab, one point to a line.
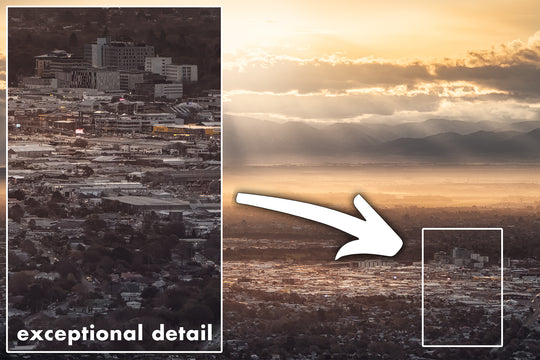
460	253
157	64
119	54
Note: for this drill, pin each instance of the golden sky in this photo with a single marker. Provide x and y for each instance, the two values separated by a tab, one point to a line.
377	61
390	29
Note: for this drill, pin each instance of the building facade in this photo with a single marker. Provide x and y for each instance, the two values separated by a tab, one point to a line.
157	64
169	91
119	54
129	78
47	65
181	73
99	79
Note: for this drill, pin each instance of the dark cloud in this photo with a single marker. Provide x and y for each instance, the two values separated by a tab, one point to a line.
521	80
288	75
512	68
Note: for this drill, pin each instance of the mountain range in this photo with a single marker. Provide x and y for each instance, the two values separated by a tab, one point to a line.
247	139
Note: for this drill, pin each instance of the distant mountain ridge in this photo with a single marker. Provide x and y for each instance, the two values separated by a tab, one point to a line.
478	145
443	139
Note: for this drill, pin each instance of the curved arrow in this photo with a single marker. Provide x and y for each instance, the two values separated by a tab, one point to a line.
378	238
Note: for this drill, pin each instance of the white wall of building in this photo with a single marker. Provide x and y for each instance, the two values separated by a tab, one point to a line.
157	64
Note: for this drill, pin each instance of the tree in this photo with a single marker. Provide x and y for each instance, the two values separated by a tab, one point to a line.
57	197
94	223
162	37
87	171
41	294
73	41
28	247
17	194
31	203
80	142
65	268
150	37
19	282
66	16
174	228
16	213
149	292
121	253
56	210
182	148
196	313
15	324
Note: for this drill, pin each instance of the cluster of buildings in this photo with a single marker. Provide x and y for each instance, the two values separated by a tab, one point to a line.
107	155
463	297
115	88
367	303
111	66
131	185
330	280
65	112
462	257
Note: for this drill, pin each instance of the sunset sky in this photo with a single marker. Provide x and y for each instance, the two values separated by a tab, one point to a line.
396	61
361	61
358	61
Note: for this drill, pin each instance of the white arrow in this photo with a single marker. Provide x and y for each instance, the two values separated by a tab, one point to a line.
377	236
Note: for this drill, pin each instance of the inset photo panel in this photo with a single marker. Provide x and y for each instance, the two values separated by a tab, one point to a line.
114	180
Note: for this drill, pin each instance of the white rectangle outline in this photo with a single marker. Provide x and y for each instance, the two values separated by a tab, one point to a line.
502	292
220	351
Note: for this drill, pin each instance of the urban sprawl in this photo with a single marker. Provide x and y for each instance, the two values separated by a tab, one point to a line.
114	196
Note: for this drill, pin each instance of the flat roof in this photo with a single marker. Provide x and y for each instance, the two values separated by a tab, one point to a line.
143	200
24	148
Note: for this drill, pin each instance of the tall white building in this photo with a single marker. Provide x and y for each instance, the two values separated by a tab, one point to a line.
157	64
164	66
97	52
123	55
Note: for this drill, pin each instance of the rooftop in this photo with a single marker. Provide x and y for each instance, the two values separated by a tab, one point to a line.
142	200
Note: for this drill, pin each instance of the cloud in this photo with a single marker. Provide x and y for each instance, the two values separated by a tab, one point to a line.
501	83
314	75
520	80
321	107
514	53
510	68
441	89
380	109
